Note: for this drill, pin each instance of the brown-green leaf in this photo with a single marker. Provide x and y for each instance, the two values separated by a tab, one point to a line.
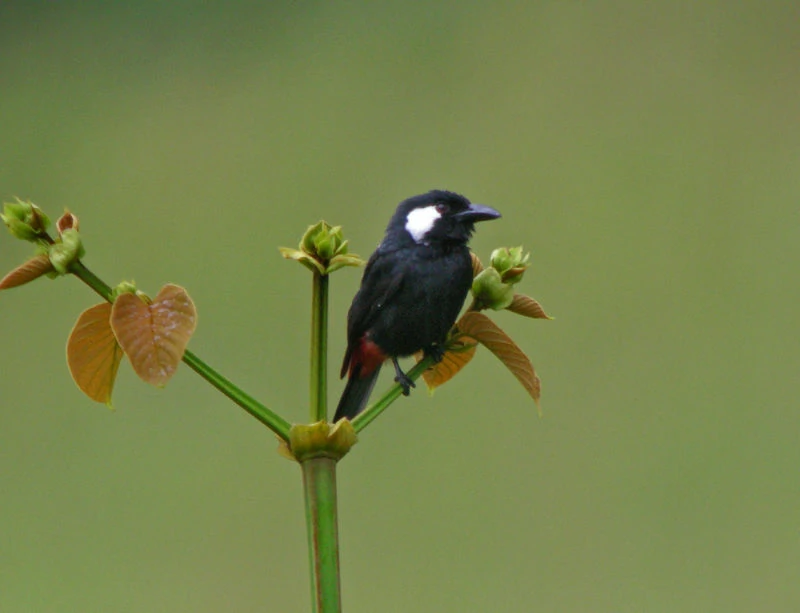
527	306
485	331
93	354
455	358
154	336
32	269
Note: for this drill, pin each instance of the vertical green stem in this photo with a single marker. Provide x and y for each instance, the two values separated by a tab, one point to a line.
319	485
319	348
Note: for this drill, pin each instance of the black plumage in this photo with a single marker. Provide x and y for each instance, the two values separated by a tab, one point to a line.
413	288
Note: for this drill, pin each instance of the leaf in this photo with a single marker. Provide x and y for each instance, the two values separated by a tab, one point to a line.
32	269
306	260
93	354
485	331
455	358
527	306
340	261
154	336
477	265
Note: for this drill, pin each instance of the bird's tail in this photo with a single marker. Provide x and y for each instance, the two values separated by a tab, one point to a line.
356	393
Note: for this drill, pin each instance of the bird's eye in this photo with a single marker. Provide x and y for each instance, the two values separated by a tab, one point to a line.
442	208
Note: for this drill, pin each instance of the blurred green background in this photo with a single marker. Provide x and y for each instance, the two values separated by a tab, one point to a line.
648	154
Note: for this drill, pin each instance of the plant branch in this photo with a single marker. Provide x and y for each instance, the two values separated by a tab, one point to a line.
266	416
272	420
79	269
362	420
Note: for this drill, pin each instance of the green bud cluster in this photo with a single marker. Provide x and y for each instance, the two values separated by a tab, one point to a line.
324	241
68	246
28	222
67	249
510	263
25	220
493	287
323	249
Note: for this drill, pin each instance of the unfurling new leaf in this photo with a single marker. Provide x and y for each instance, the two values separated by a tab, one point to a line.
527	306
34	268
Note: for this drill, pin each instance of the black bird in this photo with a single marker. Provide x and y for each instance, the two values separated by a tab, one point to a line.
412	291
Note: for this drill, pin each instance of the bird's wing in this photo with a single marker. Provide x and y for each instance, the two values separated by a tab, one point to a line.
382	280
380	284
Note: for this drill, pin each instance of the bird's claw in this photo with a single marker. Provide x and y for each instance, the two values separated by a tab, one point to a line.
402	378
405	382
435	352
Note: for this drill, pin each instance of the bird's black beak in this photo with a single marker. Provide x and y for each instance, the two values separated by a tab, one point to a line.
477	212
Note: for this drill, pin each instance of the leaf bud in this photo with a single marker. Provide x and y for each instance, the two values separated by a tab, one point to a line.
510	263
25	220
323	249
67	221
68	249
490	291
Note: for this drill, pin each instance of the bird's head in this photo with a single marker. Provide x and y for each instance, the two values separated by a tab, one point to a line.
438	217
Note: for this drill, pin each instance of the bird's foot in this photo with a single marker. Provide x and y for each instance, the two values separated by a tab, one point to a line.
435	352
402	378
405	382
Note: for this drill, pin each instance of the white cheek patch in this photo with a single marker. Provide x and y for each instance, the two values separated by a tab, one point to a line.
420	221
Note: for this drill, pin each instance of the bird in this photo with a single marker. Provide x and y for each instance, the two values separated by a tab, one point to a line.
411	292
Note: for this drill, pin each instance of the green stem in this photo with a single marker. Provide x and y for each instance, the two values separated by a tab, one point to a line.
92	280
362	420
319	348
319	485
272	420
269	418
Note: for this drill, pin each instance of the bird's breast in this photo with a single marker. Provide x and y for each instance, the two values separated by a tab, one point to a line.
431	293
